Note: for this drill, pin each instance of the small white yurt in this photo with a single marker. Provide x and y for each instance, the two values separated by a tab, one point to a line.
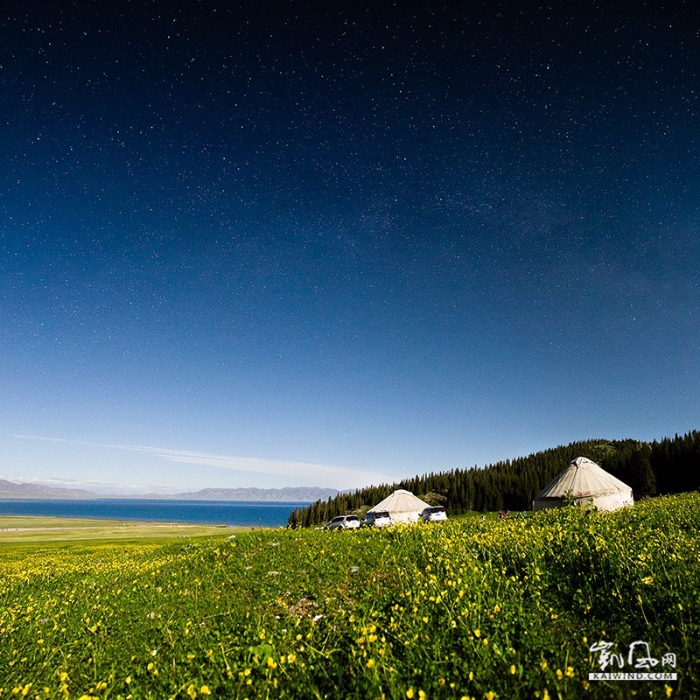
585	483
403	506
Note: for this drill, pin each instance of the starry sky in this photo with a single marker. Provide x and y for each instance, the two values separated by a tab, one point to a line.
333	244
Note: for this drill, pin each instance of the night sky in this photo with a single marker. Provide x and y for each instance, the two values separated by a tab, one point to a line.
295	243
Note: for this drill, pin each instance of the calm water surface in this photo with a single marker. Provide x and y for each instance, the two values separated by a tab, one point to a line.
241	513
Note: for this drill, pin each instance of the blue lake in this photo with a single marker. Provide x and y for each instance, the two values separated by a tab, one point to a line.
241	513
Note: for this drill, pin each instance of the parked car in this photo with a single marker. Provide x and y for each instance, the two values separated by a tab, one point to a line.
343	522
434	514
377	518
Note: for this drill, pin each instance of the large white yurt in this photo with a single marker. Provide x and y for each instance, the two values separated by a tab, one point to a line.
403	506
584	482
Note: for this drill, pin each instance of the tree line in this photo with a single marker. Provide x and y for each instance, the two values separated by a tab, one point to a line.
671	465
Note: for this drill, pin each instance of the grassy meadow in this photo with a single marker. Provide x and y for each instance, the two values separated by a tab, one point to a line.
469	608
17	529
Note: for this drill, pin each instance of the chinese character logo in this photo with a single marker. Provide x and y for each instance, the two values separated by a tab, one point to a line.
639	656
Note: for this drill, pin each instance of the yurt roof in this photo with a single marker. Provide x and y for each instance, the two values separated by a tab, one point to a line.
401	501
583	478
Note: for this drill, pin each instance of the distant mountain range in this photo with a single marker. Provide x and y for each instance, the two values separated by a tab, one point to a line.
300	494
11	490
296	494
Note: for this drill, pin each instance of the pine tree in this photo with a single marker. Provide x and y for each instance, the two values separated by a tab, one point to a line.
640	475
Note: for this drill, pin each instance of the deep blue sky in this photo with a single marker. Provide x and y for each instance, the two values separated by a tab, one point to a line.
299	243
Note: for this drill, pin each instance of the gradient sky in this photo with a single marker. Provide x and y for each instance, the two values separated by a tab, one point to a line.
309	243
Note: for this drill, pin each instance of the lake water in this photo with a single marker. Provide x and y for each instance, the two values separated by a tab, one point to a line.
241	513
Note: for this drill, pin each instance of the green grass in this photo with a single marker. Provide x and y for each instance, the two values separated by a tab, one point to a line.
469	608
39	529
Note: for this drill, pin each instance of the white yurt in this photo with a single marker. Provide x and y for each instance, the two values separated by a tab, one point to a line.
403	506
585	483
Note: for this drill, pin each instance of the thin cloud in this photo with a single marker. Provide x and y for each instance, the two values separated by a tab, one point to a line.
325	474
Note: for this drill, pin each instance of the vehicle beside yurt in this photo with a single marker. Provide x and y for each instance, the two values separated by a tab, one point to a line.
403	506
584	482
